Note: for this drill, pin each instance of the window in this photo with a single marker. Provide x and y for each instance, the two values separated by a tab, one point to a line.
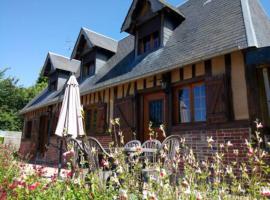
91	120
28	130
89	69
148	43
156	112
191	103
53	85
184	105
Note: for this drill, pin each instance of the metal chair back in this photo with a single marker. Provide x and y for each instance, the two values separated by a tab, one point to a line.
93	150
169	145
133	143
151	144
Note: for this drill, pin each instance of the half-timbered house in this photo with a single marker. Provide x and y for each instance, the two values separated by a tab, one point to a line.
201	69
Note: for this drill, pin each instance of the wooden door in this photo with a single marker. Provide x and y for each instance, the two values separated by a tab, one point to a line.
43	134
124	109
154	109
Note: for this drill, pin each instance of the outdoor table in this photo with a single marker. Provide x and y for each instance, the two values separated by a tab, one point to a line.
144	150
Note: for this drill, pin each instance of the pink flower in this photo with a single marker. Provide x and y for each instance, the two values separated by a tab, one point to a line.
68	154
265	192
105	163
69	174
198	196
259	125
3	195
250	151
33	186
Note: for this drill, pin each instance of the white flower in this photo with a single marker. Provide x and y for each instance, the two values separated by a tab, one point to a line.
229	144
120	170
187	191
123	194
198	196
236	152
259	125
117	121
265	191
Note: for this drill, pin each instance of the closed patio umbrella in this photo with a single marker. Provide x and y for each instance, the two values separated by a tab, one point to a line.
70	119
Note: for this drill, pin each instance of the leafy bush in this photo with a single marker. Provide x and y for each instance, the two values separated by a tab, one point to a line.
135	177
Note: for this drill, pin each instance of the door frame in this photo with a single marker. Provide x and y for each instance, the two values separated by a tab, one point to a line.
144	111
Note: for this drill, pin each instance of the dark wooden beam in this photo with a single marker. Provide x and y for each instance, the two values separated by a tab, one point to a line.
208	67
155	81
228	72
252	91
181	72
193	71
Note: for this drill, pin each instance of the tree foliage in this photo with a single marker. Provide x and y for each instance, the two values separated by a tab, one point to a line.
13	98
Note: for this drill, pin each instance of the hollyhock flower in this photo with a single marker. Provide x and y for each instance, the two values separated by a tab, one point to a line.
123	194
236	152
3	195
120	170
139	149
185	183
93	150
198	196
117	121
112	122
152	196
162	128
162	173
259	125
33	186
105	163
187	191
210	141
229	144
68	154
69	174
250	151
265	191
182	140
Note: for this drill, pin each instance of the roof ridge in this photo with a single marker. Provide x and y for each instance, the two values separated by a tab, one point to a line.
86	29
249	25
181	4
55	54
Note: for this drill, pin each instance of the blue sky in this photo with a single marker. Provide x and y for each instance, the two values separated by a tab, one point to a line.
31	28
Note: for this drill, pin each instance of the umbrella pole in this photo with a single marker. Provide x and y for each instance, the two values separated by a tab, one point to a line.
60	157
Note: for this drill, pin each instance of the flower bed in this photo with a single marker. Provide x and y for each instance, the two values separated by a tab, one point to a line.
183	177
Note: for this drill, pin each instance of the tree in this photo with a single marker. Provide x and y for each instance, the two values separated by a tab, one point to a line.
13	98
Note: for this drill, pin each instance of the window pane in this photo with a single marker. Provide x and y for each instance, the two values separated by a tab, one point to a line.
199	103
147	44
88	120
156	40
91	69
184	105
156	112
95	119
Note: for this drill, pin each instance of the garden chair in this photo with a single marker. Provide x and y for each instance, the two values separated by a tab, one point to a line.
169	150
94	151
76	147
133	143
169	146
151	144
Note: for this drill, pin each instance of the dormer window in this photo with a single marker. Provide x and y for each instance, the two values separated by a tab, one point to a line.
149	43
53	85
89	69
